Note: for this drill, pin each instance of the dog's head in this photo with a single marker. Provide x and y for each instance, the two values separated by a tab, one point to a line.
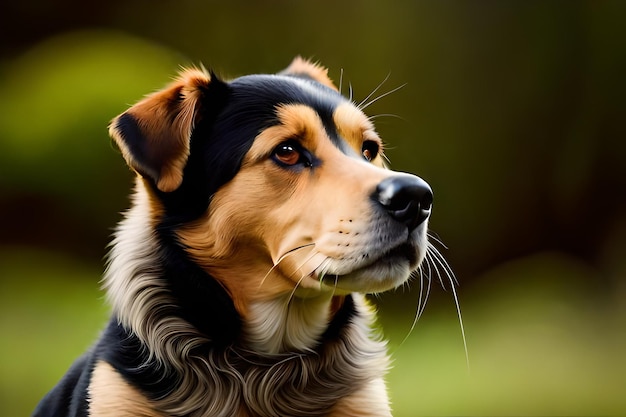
275	184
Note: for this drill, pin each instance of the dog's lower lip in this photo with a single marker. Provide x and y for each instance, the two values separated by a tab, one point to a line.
378	274
404	250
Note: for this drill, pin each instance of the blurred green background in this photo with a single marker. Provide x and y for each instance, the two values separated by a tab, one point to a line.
514	112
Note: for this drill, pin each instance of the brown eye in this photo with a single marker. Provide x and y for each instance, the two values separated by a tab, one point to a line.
287	154
290	153
370	150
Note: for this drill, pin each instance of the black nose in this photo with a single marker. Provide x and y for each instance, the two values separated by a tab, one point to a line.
406	198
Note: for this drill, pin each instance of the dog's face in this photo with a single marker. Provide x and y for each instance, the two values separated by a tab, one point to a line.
275	184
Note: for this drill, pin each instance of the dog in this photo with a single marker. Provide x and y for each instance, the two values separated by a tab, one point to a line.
262	213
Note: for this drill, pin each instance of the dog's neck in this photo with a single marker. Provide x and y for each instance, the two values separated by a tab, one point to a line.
287	324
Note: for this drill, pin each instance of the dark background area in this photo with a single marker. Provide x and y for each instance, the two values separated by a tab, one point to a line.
514	112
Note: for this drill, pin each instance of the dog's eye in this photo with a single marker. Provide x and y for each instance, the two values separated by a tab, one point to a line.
289	154
369	150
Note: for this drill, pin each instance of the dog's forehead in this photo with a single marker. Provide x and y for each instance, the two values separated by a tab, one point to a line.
259	97
272	90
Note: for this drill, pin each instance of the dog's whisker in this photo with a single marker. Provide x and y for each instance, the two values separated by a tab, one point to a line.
281	258
428	287
303	275
458	310
376	116
351	92
323	269
434	236
441	262
373	91
416	316
436	263
366	105
335	284
386	158
425	274
304	262
340	80
422	297
295	288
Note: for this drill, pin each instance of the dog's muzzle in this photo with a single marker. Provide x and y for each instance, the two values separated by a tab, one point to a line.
407	198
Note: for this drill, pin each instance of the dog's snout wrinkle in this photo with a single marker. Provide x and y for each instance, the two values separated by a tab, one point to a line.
407	198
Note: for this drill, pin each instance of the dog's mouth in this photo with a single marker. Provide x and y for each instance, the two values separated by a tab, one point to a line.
376	274
402	251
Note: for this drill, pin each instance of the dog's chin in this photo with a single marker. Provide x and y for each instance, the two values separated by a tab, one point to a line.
387	272
374	279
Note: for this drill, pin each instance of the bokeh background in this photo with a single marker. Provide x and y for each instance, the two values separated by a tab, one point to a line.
514	112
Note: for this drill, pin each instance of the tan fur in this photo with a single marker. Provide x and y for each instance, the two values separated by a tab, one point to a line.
111	396
354	127
301	66
166	119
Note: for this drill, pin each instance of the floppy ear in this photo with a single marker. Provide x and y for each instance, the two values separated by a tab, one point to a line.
301	67
154	134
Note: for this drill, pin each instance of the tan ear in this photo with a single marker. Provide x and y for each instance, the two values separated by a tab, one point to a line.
154	134
301	67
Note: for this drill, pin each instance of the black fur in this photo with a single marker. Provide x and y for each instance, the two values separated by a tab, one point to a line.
125	352
68	397
200	299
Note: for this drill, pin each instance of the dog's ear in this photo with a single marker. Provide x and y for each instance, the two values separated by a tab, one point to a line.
301	67
154	134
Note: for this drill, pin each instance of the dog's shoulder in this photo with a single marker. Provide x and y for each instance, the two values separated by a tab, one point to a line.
103	381
68	397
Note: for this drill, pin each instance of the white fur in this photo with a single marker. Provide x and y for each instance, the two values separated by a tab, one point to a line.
287	324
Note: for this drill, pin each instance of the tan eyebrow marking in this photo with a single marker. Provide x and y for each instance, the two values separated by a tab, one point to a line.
296	121
353	126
